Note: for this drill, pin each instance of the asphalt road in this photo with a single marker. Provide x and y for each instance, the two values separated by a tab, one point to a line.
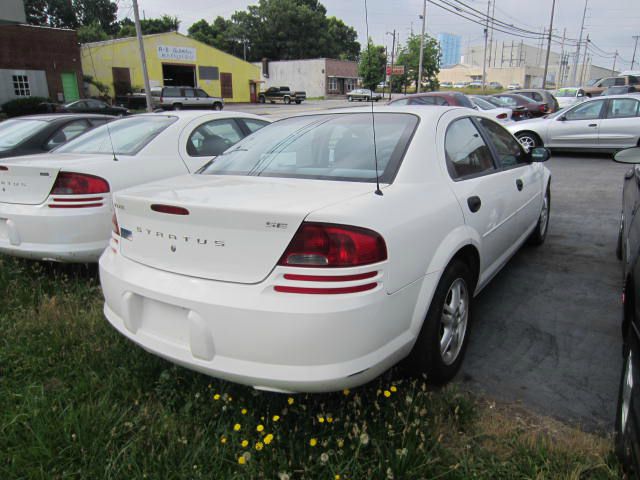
546	330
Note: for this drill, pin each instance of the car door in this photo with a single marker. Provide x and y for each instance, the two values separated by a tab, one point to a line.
528	177
578	127
207	138
484	192
203	98
190	99
620	127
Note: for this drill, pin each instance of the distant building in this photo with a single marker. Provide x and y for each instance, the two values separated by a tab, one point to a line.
318	77
449	49
12	12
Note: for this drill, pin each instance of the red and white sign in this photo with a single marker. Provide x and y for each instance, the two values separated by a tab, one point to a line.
397	70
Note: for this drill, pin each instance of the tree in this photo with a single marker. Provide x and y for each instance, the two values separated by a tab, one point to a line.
280	30
71	13
149	26
91	33
373	60
409	56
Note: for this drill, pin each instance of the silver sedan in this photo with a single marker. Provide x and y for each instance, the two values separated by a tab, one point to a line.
607	124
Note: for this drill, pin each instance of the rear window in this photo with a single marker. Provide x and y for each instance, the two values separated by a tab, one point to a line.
464	101
12	132
171	92
323	147
124	137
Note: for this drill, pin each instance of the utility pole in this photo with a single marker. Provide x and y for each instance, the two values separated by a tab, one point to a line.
486	39
546	62
393	51
143	60
511	55
633	59
493	14
424	19
615	57
584	59
561	63
575	66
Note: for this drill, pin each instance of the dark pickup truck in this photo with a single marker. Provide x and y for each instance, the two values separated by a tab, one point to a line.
285	94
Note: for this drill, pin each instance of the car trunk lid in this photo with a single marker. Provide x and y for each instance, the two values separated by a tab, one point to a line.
26	184
230	228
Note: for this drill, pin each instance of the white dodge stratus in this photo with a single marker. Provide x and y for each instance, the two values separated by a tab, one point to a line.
57	206
281	266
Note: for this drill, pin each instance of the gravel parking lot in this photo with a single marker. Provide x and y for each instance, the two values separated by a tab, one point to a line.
547	329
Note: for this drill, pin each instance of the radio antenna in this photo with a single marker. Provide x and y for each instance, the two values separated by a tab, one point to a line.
113	150
373	116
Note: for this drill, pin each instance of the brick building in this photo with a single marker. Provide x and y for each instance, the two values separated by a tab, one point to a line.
39	61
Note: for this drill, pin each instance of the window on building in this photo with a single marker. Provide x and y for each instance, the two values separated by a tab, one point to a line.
333	84
21	86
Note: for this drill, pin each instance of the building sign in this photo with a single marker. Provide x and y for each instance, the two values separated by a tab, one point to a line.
168	52
397	70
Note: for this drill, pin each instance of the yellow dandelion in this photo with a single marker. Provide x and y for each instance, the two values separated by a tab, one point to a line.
337	476
346	392
387	393
236	427
268	439
229	398
259	446
242	460
393	388
259	428
329	419
321	419
276	418
290	400
313	442
243	411
244	443
216	396
223	440
340	443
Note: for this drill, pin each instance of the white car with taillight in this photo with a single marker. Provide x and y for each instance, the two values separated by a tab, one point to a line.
501	114
282	266
57	206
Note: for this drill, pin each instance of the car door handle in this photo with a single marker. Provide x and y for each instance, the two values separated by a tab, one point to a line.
593	124
519	184
474	203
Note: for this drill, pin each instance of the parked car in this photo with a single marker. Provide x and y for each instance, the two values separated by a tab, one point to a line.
33	134
601	85
535	109
627	423
288	233
541	96
517	113
502	114
434	98
58	206
179	98
604	124
284	94
476	84
446	84
363	94
621	90
514	86
461	85
495	85
91	105
568	96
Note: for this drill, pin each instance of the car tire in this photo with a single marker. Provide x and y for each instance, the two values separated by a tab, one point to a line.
217	106
619	244
287	100
432	354
539	234
298	102
349	98
622	444
177	106
261	99
377	99
529	140
272	101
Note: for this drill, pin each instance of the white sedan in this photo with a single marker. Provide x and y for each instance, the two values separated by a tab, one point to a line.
502	114
281	265
599	124
57	206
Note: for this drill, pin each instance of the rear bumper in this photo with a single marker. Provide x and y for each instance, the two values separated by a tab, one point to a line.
252	335
64	235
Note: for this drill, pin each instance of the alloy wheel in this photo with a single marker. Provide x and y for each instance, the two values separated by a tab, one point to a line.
453	321
627	388
544	215
527	141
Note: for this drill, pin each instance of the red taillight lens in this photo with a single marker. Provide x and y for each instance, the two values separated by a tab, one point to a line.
543	107
3	168
325	245
114	224
170	209
69	183
502	116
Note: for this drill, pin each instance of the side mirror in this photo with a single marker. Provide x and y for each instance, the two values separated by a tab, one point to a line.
628	155
562	118
540	154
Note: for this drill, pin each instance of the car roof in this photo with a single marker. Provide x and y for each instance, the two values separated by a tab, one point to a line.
190	114
50	117
430	114
431	94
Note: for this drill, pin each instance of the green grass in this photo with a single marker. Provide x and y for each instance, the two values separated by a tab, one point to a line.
79	401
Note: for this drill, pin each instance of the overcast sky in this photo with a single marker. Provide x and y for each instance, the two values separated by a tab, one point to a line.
610	23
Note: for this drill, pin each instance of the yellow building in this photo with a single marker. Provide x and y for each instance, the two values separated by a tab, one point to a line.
172	59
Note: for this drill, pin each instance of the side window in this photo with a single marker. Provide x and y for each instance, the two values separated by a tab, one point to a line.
171	92
201	93
422	101
66	133
510	153
466	152
96	122
619	81
508	101
440	101
404	101
622	108
633	80
95	104
608	82
212	138
188	92
254	125
585	111
530	95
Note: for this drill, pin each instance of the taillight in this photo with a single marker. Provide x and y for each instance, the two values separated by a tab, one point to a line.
326	245
69	183
543	107
114	224
170	209
502	116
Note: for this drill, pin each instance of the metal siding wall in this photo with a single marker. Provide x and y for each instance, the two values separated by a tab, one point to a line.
37	83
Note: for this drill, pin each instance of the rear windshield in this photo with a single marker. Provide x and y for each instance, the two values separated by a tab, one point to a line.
566	92
123	137
464	101
483	104
12	132
328	147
